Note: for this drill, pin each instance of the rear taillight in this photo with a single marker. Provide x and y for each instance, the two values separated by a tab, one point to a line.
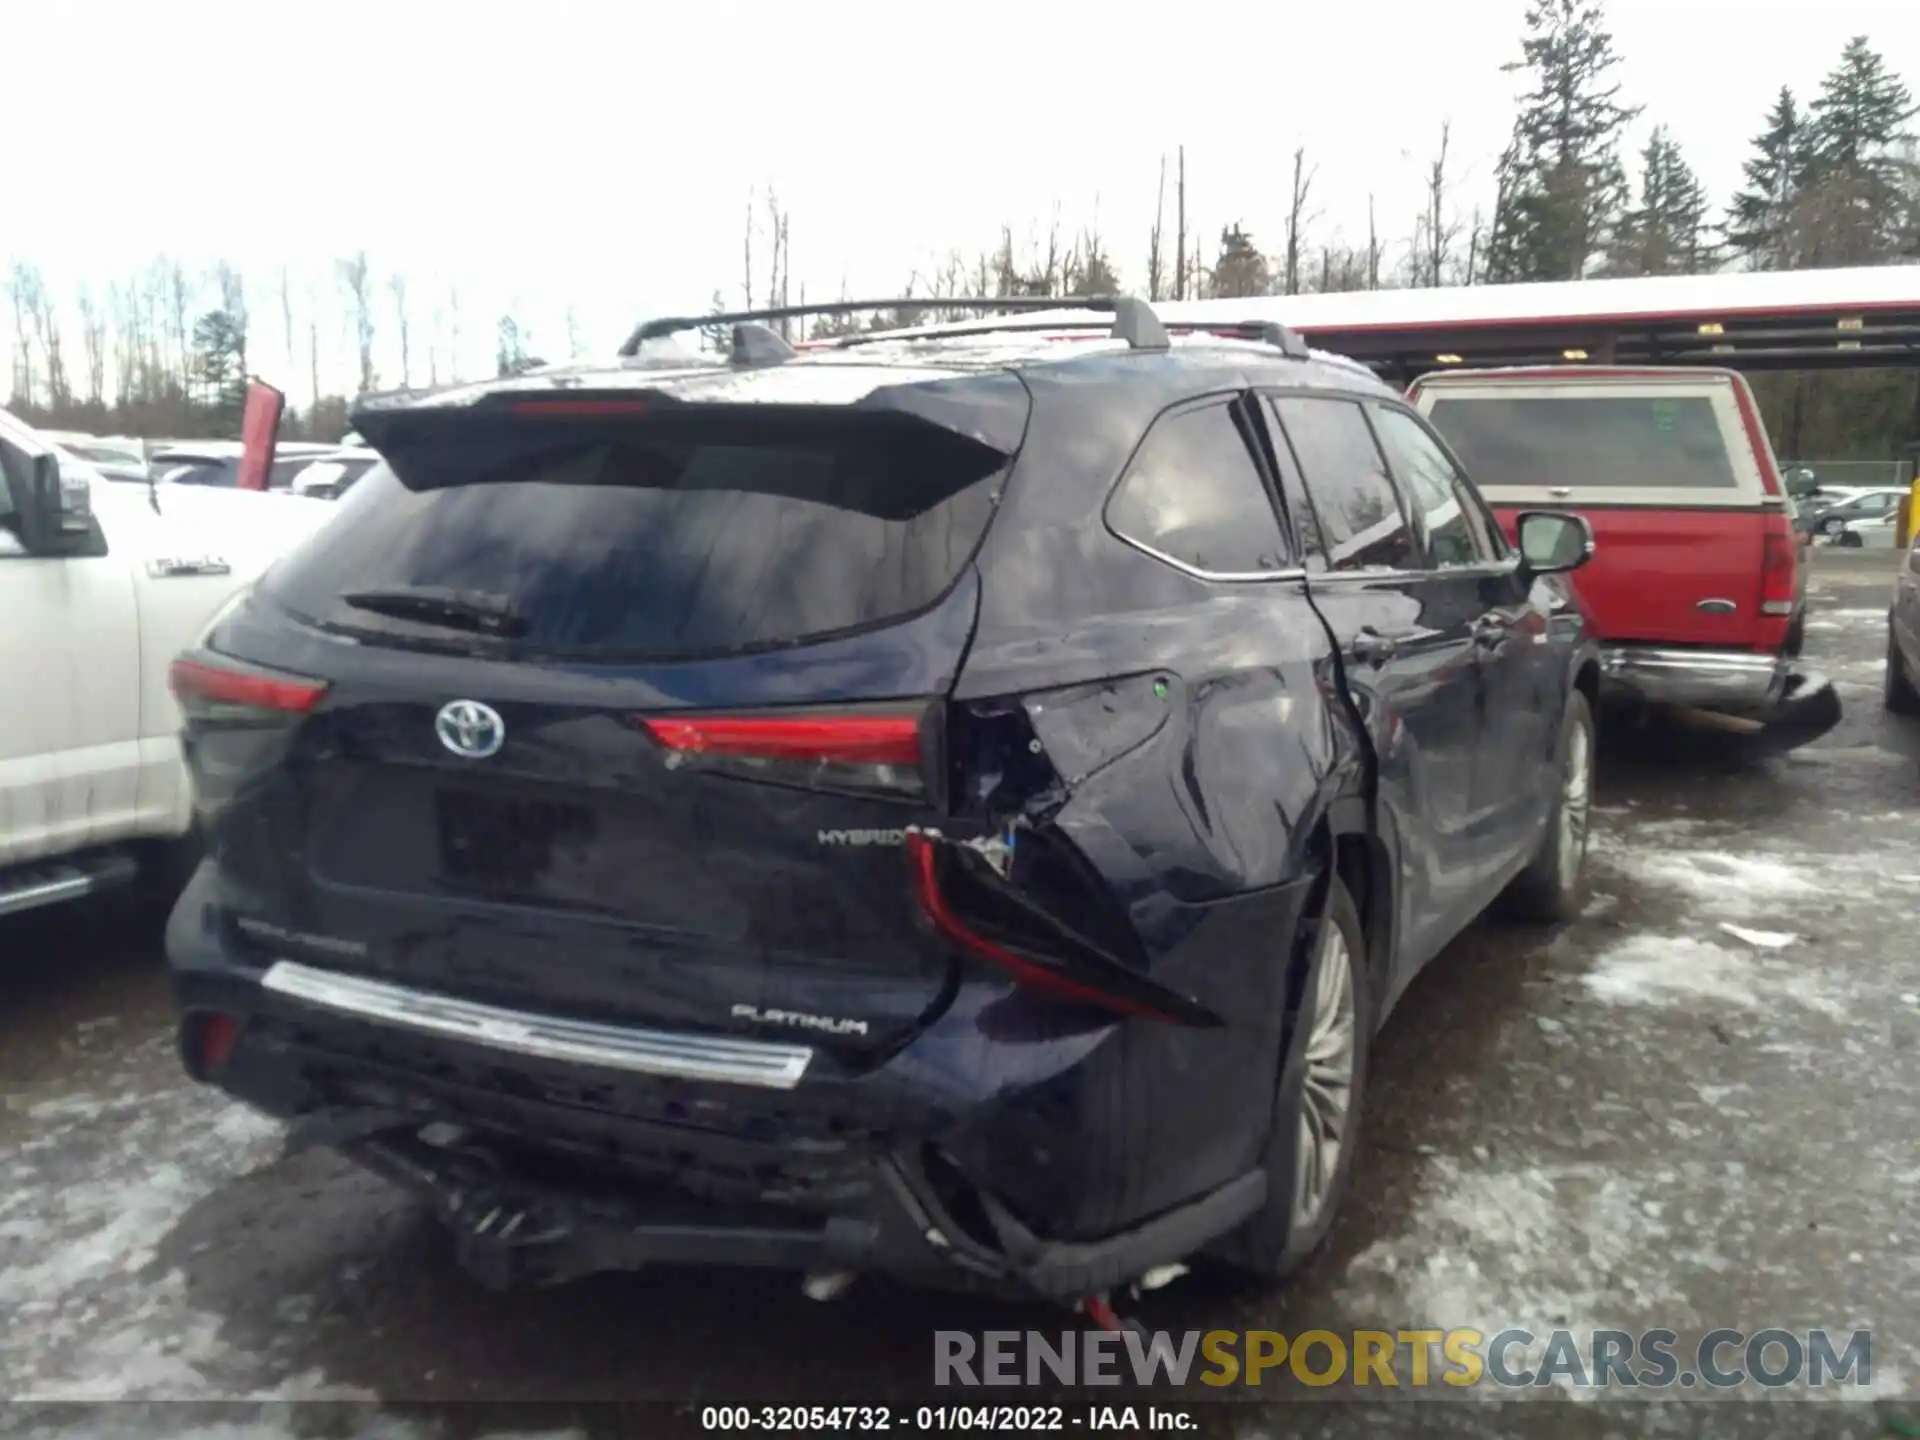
1087	981
871	751
214	687
1779	567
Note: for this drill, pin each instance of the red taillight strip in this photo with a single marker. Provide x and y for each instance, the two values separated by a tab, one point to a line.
215	684
846	739
1027	972
577	407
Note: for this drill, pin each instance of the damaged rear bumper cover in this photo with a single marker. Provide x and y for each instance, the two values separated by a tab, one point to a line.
1789	703
511	1231
523	1179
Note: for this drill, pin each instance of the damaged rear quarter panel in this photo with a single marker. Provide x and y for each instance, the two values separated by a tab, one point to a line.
1193	789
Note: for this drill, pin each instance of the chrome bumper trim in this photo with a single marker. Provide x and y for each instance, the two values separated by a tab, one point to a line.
1708	678
545	1037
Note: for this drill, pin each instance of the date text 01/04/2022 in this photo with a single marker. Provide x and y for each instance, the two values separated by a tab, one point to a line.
787	1419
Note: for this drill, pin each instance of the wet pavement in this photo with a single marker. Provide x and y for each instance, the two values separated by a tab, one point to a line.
1694	1107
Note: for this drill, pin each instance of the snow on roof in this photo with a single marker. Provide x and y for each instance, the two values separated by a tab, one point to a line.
1650	297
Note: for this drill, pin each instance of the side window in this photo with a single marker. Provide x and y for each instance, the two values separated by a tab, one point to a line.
1193	495
1456	533
1360	521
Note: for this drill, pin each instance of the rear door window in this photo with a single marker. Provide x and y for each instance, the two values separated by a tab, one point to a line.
1355	516
1619	443
1193	495
666	547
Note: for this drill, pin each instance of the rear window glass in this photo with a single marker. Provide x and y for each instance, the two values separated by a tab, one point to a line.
1641	442
663	548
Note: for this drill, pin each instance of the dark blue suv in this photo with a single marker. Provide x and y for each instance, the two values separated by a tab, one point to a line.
957	804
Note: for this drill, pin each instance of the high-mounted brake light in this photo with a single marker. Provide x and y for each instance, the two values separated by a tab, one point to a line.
583	408
1031	973
200	684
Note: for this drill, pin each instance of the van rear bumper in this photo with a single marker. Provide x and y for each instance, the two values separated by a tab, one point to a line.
1793	703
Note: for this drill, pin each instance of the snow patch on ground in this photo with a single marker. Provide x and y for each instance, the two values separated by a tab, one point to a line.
1543	1247
1664	970
84	1315
1719	881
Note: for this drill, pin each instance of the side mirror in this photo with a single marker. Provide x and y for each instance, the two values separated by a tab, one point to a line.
1553	542
52	510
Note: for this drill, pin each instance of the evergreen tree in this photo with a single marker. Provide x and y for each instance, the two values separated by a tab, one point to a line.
1240	269
1665	234
1561	185
1758	219
1859	117
510	350
219	365
1856	184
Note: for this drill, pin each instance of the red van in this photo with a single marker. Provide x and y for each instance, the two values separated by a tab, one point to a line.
1696	589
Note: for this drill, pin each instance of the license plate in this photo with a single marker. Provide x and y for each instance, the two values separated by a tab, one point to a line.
506	844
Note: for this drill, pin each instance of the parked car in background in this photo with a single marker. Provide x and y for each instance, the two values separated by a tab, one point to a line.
1698	592
1903	637
216	463
115	457
958	807
1873	503
1879	532
101	585
330	475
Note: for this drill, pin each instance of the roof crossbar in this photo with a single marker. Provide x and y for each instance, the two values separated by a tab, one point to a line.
1133	319
1267	332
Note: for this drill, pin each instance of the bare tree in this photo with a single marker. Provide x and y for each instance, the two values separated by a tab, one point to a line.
356	277
453	332
747	265
286	315
574	347
93	340
1373	247
313	342
1156	272
23	285
1180	236
173	277
397	283
1435	234
233	299
1297	219
777	271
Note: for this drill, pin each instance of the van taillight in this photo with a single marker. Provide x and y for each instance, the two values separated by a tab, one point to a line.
871	751
1779	567
216	687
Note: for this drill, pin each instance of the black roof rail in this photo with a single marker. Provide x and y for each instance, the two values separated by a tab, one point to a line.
1133	319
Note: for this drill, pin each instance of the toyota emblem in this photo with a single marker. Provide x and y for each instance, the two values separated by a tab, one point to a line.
470	730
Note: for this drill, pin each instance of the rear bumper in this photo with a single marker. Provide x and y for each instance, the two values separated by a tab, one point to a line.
582	1147
1793	703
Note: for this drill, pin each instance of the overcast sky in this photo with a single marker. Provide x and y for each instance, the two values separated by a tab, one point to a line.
600	155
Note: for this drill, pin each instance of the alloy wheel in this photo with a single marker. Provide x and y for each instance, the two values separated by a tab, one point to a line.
1326	1096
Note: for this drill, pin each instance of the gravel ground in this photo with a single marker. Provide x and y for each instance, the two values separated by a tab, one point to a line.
1693	1107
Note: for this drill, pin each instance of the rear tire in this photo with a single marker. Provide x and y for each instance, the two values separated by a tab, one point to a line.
1316	1121
1902	697
1554	884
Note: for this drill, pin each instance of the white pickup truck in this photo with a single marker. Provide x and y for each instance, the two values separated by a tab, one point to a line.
101	585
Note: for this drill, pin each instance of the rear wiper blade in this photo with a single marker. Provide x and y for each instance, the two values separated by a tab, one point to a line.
472	610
